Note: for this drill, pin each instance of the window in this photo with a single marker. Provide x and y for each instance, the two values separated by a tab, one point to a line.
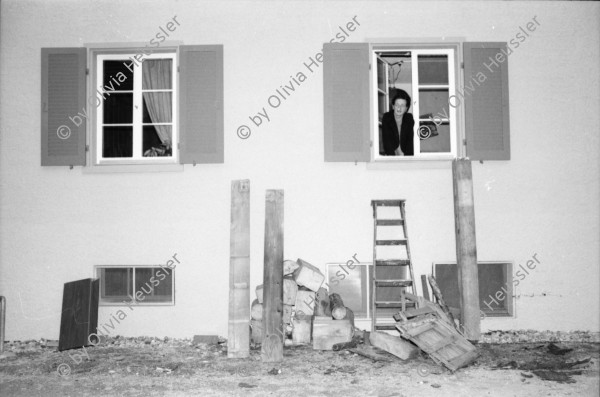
495	287
135	120
142	285
353	285
428	77
132	107
457	110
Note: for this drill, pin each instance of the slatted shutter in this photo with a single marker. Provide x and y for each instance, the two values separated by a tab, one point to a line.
201	104
346	101
487	129
63	122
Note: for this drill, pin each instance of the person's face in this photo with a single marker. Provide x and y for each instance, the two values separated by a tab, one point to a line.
400	107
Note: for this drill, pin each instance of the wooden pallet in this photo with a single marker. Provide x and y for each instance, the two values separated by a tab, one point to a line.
436	337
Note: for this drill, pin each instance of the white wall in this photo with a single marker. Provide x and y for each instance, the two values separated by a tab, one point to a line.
56	223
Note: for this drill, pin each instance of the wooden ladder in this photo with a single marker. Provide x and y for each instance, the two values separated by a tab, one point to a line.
390	278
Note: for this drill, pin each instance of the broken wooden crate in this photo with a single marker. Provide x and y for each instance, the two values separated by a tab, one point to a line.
436	337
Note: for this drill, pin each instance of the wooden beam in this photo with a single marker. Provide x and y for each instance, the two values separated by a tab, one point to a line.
425	287
394	345
466	248
238	342
272	346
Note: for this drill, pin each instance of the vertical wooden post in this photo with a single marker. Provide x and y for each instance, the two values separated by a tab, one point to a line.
238	342
466	248
272	346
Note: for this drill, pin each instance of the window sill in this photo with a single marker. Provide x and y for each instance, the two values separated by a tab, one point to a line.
139	168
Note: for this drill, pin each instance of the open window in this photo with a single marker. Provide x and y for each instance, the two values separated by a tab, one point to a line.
428	77
447	83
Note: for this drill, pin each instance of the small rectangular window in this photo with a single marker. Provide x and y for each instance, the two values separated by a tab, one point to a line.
495	287
136	101
352	283
138	284
414	117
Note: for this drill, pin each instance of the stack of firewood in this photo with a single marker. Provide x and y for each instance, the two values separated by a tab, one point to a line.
310	314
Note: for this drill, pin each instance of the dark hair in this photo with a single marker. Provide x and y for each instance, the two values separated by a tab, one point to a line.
401	94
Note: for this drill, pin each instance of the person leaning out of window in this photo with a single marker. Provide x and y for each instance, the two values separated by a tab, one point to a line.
397	127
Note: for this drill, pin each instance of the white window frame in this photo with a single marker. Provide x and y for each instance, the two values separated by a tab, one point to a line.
137	158
132	297
452	51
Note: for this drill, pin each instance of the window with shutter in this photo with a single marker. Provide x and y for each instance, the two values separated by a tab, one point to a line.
411	107
147	107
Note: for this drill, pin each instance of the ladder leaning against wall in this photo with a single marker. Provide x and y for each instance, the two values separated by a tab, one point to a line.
392	265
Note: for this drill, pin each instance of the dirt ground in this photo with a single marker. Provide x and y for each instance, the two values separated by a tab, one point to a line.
156	367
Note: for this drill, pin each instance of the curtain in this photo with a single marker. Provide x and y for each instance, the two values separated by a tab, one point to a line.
157	75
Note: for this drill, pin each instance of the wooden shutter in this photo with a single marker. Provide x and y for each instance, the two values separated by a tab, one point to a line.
487	129
201	104
64	106
346	101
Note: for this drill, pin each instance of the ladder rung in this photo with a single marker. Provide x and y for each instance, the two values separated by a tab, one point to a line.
390	222
392	262
386	203
393	283
391	242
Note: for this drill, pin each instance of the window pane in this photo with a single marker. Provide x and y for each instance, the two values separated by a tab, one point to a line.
433	69
433	103
157	107
117	141
115	284
435	143
157	141
118	108
157	74
117	77
154	284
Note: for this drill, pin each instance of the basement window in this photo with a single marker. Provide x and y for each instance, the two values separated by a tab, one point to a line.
138	284
352	281
428	76
495	287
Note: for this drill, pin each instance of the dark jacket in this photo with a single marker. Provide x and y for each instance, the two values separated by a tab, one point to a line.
389	134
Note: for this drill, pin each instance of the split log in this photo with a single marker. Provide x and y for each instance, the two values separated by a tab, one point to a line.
394	345
256	330
308	276
305	303
349	316
327	332
322	307
259	293
289	267
287	314
256	311
302	331
338	310
290	289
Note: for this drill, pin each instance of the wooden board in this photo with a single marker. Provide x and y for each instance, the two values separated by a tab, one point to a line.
440	340
327	332
238	342
302	331
272	346
79	318
394	345
466	248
